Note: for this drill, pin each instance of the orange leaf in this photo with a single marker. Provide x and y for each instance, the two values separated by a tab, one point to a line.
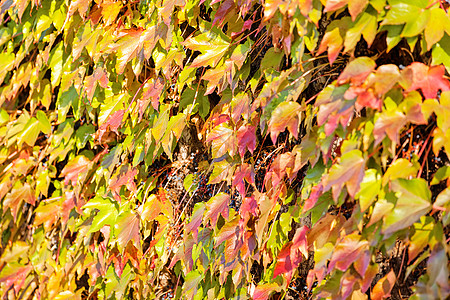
384	286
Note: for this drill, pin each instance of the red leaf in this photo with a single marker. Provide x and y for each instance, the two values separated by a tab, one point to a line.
316	191
285	115
217	205
127	229
283	164
290	256
225	7
125	177
284	263
246	139
357	71
333	5
349	249
249	205
112	123
384	286
78	165
14	275
99	76
349	171
389	123
223	140
263	291
428	79
196	220
369	275
151	92
244	171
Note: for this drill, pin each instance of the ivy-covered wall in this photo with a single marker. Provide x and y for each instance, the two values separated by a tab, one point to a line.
235	149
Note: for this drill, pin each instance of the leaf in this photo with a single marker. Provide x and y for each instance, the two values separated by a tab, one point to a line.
437	267
125	177
191	283
223	140
79	165
151	92
355	7
348	250
390	123
370	187
44	123
357	71
349	171
400	168
246	139
334	38
385	78
212	46
14	274
215	206
263	291
127	229
106	215
434	31
429	79
18	193
286	114
400	13
420	238
30	132
332	5
413	202
112	124
384	286
366	25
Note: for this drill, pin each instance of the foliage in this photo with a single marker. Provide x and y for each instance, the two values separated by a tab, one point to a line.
210	149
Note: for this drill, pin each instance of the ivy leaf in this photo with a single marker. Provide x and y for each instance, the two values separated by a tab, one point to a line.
390	123
79	165
18	193
127	229
30	132
106	215
112	124
286	114
357	71
349	171
263	291
370	187
384	286
215	206
151	92
434	31
223	140
366	25
212	46
421	236
246	139
14	274
332	5
413	202
429	79
125	177
334	38
348	250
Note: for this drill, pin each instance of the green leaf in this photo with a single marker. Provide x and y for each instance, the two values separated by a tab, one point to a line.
413	202
45	125
30	132
108	211
370	187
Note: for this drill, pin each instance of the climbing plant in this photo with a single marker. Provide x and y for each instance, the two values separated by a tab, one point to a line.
224	149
